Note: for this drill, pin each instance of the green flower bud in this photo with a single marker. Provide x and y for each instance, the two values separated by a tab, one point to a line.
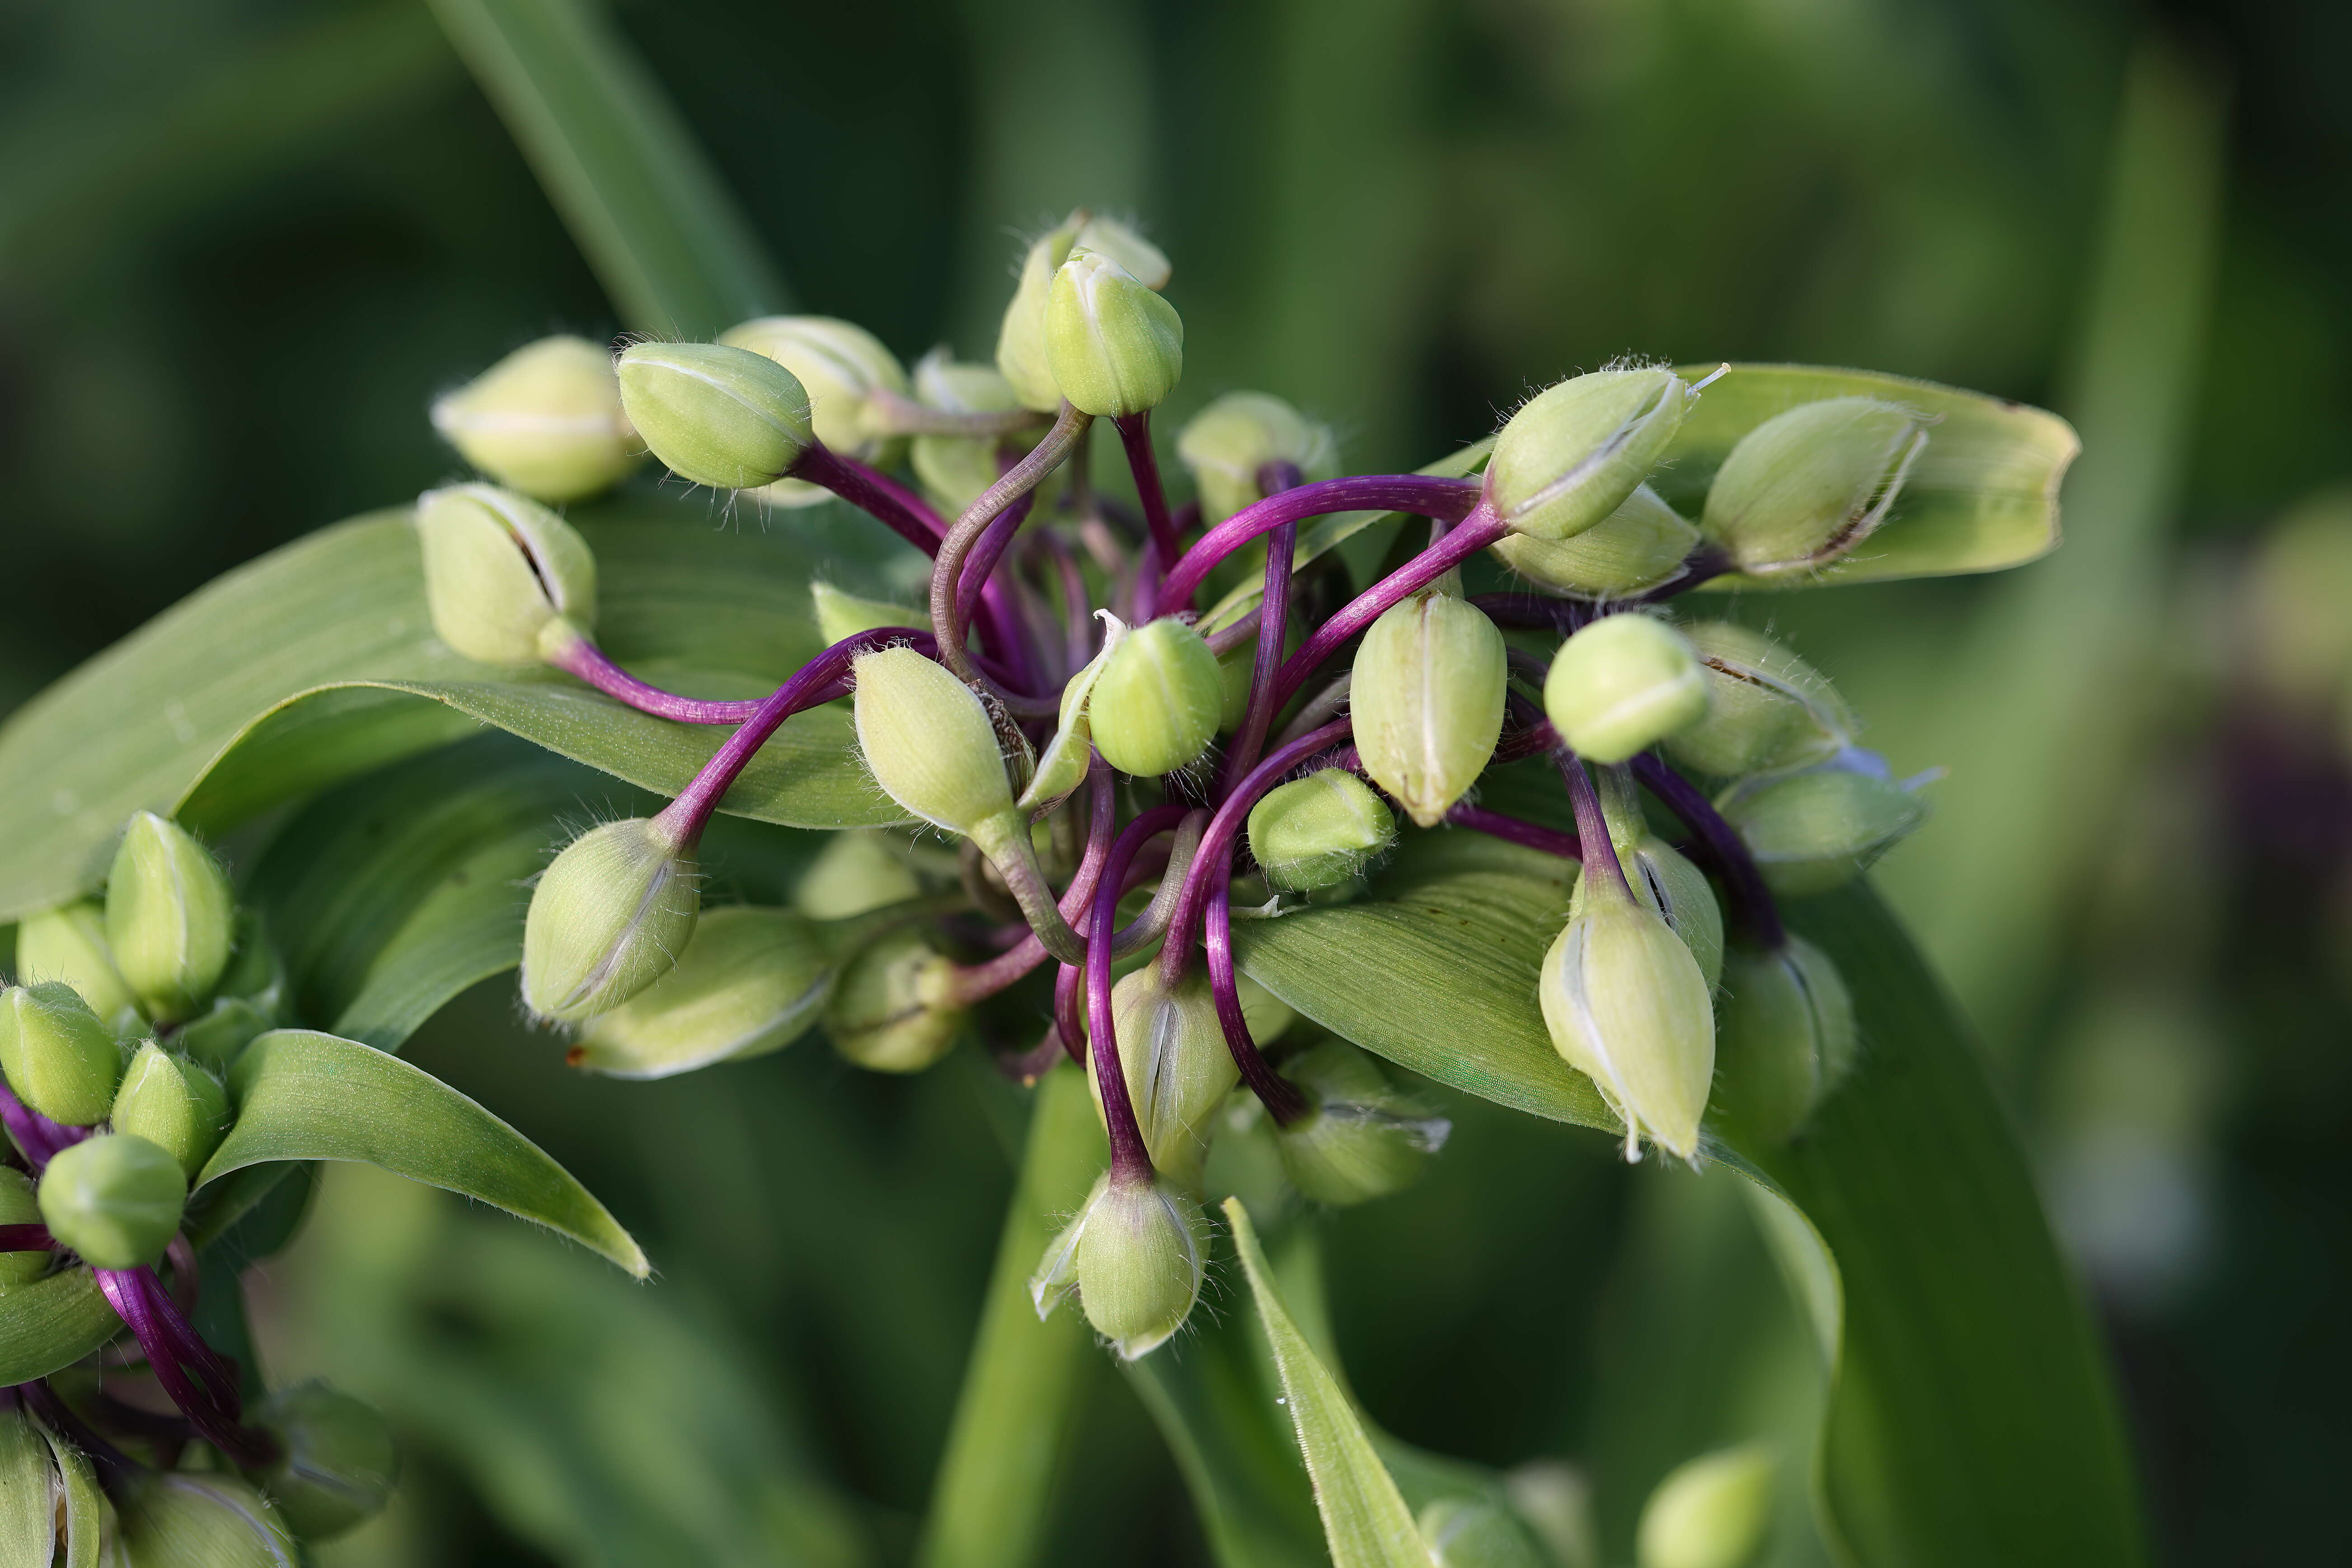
1136	1255
1364	1137
928	743
170	917
1427	697
717	416
545	420
1766	709
1109	237
174	1104
507	579
1227	443
1622	684
1179	1070
1640	546
1114	347
1787	1036
1805	487
19	1206
68	943
1626	1005
1820	829
855	871
752	981
113	1198
840	615
1472	1533
1711	1512
1155	707
884	1015
1573	454
1678	892
841	366
1319	830
955	469
340	1465
181	1520
608	919
217	1039
1021	342
59	1058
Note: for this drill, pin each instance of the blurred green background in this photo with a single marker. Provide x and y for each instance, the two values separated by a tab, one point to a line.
243	242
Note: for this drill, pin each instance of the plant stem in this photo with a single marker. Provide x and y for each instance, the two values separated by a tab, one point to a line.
1511	830
36	1134
1591	827
893	414
1477	531
1130	1159
590	663
1272	625
970	983
1753	909
957	544
57	1415
1135	436
877	495
1281	1097
1415	493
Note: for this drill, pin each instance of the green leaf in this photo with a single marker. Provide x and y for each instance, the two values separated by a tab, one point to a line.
82	1507
306	1096
52	1324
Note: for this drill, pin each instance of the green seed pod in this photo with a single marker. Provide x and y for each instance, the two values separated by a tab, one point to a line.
1155	707
1805	487
1787	1036
1178	1068
841	366
1678	892
28	1492
752	981
113	1198
1622	684
508	580
174	1104
59	1058
170	917
955	469
1766	709
855	871
19	1206
1640	546
1136	1255
1319	830
1472	1533
217	1039
717	416
68	943
1427	697
545	420
178	1519
1710	1512
1813	831
884	1015
1021	342
1626	1005
1227	443
340	1464
608	919
840	615
1114	347
928	743
1572	455
1364	1138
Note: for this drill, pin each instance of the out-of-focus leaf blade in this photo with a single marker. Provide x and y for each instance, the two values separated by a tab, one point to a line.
52	1322
81	1508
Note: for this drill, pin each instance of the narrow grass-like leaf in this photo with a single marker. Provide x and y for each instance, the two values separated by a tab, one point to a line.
51	1323
81	1508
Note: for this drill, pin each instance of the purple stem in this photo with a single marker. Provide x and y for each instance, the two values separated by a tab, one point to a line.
173	1349
584	659
1415	493
34	1133
1591	827
25	1238
42	1400
1281	1097
1273	625
1534	612
1135	436
981	980
1511	830
1478	530
1069	1015
1129	1159
1752	906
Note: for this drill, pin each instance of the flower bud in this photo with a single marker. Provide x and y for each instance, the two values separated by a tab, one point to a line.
840	615
1119	241
218	1037
608	919
19	1206
170	917
68	943
855	871
840	366
1820	829
1787	1037
114	1198
1675	890
1227	443
340	1464
1178	1068
1805	487
1136	1255
1427	698
884	1014
751	982
178	1519
1155	707
507	579
1622	684
545	420
174	1104
928	743
717	416
955	469
1626	1005
1021	342
1473	1532
1573	454
1363	1138
1766	709
1319	830
1640	545
1114	347
59	1058
1710	1512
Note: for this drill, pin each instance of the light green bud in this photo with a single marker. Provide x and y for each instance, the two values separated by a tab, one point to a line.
955	469
752	981
218	1038
840	615
1572	455
1427	700
170	917
1805	487
1114	347
1364	1138
1766	709
1626	1005
1155	707
114	1198
1788	1038
1178	1068
179	1518
608	919
1119	241
855	871
18	1206
928	743
884	1014
717	416
68	943
174	1104
545	420
508	580
1136	1255
1319	830
59	1058
1678	892
1813	831
841	366
340	1465
1021	342
1640	546
1622	684
2298	640
1710	1512
1472	1533
1227	443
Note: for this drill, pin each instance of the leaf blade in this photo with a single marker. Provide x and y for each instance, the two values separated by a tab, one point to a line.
51	1323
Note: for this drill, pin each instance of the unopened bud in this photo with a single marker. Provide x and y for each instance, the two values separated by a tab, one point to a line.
717	416
1675	890
170	917
1119	241
840	366
508	580
1622	684
1178	1068
1362	1137
855	871
1319	830
1766	709
1711	1512
1805	487
1816	830
1155	707
1021	342
339	1464
114	1198
1574	453
1427	700
174	1104
884	1015
1136	1255
545	420
928	743
59	1058
750	981
176	1519
1787	1036
609	917
840	615
69	944
1640	545
955	469
1475	1532
19	1206
1227	443
1626	1005
1114	347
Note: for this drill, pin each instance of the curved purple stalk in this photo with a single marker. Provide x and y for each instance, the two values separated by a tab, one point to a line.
1752	907
1129	1159
25	1238
957	543
1281	1097
1070	1010
174	1349
1450	499
1273	625
1135	437
590	663
1591	827
34	1133
1511	830
981	980
1477	531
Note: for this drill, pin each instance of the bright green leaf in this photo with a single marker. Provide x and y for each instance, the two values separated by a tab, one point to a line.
51	1323
83	1509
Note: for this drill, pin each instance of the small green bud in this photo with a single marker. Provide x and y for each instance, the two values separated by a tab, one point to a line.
545	420
18	1206
1675	890
1155	707
1805	487
174	1104
1227	443
59	1058
114	1198
955	469
218	1038
1114	347
1766	709
1787	1036
508	580
170	917
840	615
1626	1005
1427	697
608	919
1319	830
1640	545
855	871
1178	1068
68	943
1820	829
841	366
717	416
178	1519
1710	1512
1572	455
1622	684
884	1014
2296	637
928	743
1364	1137
1136	1255
1472	1533
752	981
340	1465
1116	240
1021	342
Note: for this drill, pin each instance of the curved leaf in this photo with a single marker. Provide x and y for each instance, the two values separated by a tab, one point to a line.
306	1096
52	1324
